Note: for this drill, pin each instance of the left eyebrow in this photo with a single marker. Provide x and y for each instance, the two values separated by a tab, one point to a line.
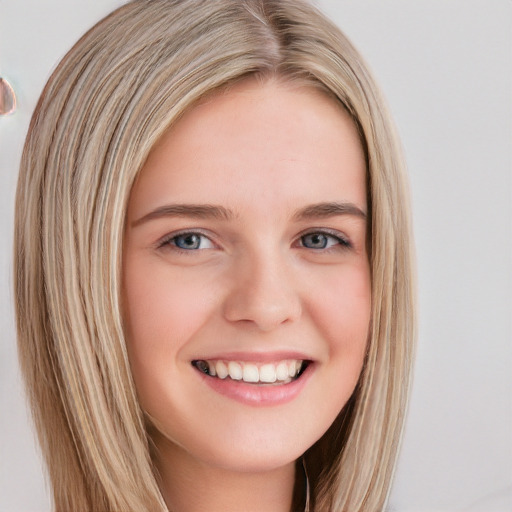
323	210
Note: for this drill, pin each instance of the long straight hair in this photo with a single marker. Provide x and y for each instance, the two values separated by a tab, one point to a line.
108	102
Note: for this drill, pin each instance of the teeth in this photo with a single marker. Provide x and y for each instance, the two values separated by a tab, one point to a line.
282	371
268	373
221	369
251	373
235	370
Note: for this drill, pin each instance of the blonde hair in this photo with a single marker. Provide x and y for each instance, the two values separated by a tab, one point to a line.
107	103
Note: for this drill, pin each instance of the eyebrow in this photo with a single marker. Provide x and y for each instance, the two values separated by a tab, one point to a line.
199	211
208	211
324	210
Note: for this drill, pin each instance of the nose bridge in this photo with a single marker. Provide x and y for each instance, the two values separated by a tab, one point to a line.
263	291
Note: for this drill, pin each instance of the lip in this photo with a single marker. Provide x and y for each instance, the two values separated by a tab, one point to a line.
262	395
256	357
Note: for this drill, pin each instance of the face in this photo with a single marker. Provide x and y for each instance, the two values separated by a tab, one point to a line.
246	278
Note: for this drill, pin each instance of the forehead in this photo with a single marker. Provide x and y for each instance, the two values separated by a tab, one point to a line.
273	141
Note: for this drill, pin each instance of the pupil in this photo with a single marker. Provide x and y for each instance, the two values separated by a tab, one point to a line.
188	241
315	241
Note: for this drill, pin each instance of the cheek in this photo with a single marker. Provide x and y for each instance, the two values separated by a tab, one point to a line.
341	310
163	309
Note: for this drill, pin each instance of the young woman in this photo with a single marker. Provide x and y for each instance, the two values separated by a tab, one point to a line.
213	265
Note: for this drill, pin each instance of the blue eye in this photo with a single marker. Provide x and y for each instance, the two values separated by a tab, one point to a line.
189	241
319	240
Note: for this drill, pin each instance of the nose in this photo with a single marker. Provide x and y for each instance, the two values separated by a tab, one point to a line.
263	294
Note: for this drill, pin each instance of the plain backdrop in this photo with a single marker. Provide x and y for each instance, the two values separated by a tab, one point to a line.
445	67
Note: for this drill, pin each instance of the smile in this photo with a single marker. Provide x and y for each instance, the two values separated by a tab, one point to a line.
281	372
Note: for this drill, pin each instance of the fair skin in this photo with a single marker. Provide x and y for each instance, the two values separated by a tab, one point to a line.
245	252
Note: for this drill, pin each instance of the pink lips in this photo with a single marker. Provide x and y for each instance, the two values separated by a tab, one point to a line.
262	357
259	394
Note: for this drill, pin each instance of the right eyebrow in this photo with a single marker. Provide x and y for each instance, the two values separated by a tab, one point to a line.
199	211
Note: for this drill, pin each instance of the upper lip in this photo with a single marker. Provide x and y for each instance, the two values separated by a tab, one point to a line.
256	356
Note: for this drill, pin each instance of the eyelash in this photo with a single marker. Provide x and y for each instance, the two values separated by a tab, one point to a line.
341	242
170	241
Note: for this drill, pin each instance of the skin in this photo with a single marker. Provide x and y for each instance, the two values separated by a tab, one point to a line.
255	283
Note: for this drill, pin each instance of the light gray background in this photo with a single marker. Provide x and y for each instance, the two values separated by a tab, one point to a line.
445	67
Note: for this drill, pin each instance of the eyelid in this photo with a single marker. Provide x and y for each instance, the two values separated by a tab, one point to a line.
344	240
166	240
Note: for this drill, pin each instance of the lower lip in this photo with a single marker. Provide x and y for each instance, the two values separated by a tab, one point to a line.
259	394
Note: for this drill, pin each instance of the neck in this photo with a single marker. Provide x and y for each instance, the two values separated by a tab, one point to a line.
189	485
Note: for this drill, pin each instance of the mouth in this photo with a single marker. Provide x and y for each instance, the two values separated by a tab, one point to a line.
269	374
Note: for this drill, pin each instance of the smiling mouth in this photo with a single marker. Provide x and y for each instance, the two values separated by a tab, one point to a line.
281	372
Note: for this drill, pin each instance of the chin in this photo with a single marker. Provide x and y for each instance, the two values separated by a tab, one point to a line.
240	449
